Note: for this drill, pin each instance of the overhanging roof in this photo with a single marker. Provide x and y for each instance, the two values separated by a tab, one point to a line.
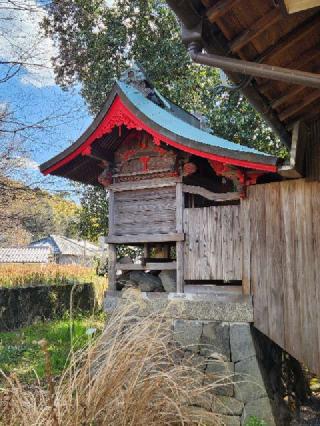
262	31
128	107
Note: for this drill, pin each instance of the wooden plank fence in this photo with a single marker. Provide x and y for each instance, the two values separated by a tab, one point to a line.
213	243
282	264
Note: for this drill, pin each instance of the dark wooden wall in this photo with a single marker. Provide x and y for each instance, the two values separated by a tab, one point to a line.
313	151
282	264
213	244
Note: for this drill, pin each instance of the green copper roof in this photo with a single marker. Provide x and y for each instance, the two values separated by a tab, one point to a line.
174	124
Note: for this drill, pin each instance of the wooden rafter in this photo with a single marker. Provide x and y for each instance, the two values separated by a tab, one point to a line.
301	63
302	31
294	6
289	95
261	25
299	106
220	8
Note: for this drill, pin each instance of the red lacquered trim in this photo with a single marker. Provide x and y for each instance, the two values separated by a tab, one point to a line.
119	115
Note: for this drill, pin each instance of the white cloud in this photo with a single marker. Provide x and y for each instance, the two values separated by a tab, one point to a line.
22	40
21	163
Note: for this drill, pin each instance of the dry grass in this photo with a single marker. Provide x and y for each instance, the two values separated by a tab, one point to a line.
133	374
12	275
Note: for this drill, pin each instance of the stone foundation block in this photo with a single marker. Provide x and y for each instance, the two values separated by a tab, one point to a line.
241	341
230	420
197	361
227	405
221	376
249	381
215	340
188	334
260	408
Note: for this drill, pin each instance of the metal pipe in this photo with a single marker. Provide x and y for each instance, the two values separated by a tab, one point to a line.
271	72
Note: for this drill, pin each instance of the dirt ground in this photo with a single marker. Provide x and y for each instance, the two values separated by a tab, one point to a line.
309	413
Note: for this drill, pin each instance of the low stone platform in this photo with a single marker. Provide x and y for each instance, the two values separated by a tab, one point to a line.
216	333
210	306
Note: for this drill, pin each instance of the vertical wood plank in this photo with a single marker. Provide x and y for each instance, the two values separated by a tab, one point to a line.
112	267
315	197
112	249
246	244
111	212
274	261
284	269
180	244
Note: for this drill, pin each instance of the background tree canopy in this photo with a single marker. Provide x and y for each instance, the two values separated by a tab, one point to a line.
97	41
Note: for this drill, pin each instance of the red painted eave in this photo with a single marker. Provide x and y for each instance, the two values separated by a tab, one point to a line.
119	114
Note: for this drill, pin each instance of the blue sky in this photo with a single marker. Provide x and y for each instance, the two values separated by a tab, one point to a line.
32	95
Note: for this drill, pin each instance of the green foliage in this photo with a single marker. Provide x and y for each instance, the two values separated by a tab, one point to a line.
93	213
254	421
97	42
27	214
20	352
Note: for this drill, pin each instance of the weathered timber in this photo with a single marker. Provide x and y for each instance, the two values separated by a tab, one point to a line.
144	184
245	230
112	252
284	272
145	238
260	26
145	211
213	245
286	42
296	166
149	266
130	267
112	259
161	266
220	8
180	244
304	102
287	96
213	196
313	151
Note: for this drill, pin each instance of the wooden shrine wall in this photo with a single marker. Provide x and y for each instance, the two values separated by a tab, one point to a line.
313	151
145	211
213	243
282	264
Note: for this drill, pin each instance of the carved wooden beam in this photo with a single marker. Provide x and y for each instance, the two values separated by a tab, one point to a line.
213	196
260	26
298	106
220	8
